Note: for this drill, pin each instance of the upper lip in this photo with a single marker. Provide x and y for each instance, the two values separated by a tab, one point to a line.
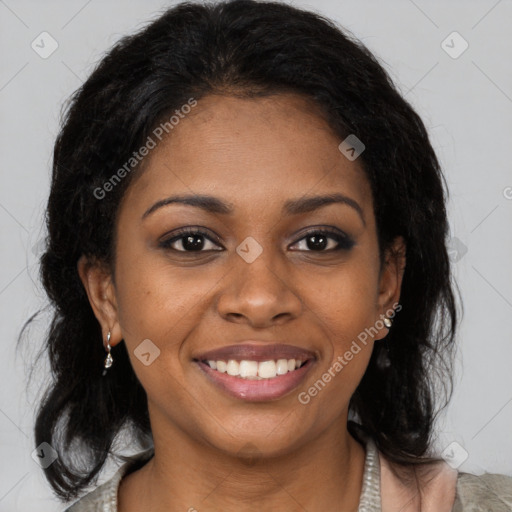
254	351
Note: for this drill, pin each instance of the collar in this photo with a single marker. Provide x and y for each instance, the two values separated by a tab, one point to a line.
430	488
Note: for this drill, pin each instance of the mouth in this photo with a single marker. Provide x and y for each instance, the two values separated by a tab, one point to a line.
256	372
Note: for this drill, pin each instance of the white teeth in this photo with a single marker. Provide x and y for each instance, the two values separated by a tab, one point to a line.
267	369
233	368
248	369
282	366
254	370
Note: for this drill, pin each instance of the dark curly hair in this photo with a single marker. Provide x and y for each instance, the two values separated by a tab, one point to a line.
248	49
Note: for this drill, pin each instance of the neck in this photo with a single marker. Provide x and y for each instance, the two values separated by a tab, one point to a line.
185	475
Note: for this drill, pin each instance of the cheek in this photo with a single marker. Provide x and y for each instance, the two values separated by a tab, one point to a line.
346	304
161	304
347	299
347	314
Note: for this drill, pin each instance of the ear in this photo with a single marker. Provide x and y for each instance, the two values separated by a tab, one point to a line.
390	281
99	285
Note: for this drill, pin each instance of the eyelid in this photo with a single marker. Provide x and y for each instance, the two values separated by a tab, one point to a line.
344	241
181	233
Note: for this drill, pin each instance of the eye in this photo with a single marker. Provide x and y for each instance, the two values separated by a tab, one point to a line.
325	241
190	240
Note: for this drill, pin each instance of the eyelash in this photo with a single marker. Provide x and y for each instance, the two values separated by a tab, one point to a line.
344	242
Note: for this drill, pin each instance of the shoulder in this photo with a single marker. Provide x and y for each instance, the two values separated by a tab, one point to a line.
101	499
490	490
104	497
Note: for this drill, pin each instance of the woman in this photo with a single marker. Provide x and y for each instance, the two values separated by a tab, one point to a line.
247	259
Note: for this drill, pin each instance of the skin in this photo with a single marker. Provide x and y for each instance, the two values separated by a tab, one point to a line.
213	451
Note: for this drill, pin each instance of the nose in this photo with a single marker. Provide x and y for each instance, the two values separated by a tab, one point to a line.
258	294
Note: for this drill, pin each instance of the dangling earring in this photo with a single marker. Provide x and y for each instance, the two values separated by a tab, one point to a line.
383	360
108	359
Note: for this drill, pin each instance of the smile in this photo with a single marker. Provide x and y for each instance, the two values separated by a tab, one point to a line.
254	370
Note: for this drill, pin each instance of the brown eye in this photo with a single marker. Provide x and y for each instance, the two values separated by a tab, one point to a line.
190	240
325	241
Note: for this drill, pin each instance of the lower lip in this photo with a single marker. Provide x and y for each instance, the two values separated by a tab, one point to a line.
257	390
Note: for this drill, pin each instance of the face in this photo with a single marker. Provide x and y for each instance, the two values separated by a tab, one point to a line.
262	274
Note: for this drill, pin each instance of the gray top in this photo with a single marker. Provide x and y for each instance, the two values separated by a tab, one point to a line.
488	492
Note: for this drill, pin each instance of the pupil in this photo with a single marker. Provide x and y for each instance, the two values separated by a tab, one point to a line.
320	244
196	242
193	242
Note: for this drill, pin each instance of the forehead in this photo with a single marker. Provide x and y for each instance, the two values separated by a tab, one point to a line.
255	150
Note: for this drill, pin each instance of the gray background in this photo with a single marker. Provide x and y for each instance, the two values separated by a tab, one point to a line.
466	103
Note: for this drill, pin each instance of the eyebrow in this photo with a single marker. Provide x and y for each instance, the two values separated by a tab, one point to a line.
215	205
